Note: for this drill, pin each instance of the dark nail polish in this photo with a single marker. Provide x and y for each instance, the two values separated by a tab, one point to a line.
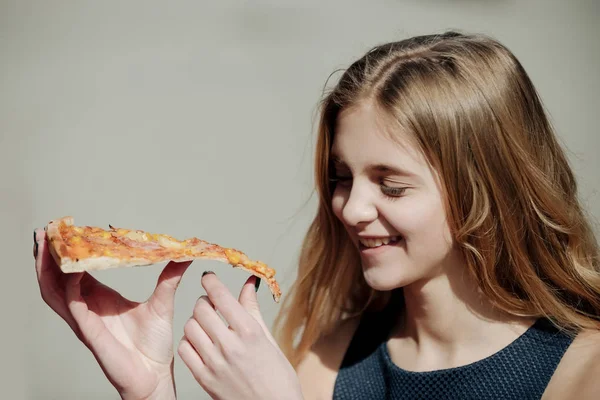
34	236
35	249
257	284
207	272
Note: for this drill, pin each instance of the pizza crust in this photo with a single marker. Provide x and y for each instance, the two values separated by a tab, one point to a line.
59	250
57	244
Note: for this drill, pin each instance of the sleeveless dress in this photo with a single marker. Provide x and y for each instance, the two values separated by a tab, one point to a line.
520	371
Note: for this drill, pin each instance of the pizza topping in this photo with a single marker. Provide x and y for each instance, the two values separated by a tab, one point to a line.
140	244
88	241
233	256
136	247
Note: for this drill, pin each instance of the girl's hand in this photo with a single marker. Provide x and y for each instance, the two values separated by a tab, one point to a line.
237	358
132	342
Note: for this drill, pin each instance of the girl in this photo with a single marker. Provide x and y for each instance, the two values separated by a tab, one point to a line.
449	257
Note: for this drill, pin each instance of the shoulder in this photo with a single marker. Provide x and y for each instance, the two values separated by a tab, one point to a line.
318	369
577	375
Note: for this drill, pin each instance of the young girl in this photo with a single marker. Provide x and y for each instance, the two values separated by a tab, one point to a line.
449	257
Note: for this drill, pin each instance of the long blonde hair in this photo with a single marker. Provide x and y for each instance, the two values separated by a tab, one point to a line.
511	197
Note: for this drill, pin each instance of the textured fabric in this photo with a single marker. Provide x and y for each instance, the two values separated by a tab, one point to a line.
520	371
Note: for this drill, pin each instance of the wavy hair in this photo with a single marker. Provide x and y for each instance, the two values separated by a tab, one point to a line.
511	196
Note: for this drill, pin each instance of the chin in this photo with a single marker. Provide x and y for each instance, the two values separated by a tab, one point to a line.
383	280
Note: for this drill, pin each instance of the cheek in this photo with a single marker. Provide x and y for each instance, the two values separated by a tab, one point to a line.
421	221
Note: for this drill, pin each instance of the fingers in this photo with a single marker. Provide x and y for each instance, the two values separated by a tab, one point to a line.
75	302
208	319
66	293
192	360
211	349
248	298
51	279
233	312
200	340
46	269
201	347
249	301
91	329
163	298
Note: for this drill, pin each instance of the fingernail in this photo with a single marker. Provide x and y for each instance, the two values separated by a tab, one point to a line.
207	272
257	284
35	247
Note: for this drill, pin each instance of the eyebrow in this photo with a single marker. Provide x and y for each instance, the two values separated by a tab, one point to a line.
382	168
391	170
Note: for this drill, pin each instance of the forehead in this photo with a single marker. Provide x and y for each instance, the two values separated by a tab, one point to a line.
363	137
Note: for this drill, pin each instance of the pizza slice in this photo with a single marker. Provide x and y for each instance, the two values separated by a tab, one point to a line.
87	248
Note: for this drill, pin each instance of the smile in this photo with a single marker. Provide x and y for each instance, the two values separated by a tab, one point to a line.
378	242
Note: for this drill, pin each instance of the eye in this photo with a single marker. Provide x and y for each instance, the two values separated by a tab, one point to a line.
392	191
339	179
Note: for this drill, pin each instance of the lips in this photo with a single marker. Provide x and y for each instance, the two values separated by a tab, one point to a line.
378	242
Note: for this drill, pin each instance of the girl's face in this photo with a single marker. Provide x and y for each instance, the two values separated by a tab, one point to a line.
388	198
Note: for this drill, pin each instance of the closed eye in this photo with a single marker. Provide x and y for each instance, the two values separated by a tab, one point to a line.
341	180
392	191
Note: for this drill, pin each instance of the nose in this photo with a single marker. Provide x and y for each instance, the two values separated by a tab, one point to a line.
359	207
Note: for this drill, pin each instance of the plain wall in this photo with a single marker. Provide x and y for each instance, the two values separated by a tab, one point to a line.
196	119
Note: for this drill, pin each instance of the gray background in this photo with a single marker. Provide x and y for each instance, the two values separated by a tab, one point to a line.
195	119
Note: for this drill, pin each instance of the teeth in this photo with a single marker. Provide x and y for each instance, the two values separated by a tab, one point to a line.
378	242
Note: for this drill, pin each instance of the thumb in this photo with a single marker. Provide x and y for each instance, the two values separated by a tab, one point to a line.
163	298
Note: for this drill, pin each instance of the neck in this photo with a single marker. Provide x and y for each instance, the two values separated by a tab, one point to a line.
448	322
